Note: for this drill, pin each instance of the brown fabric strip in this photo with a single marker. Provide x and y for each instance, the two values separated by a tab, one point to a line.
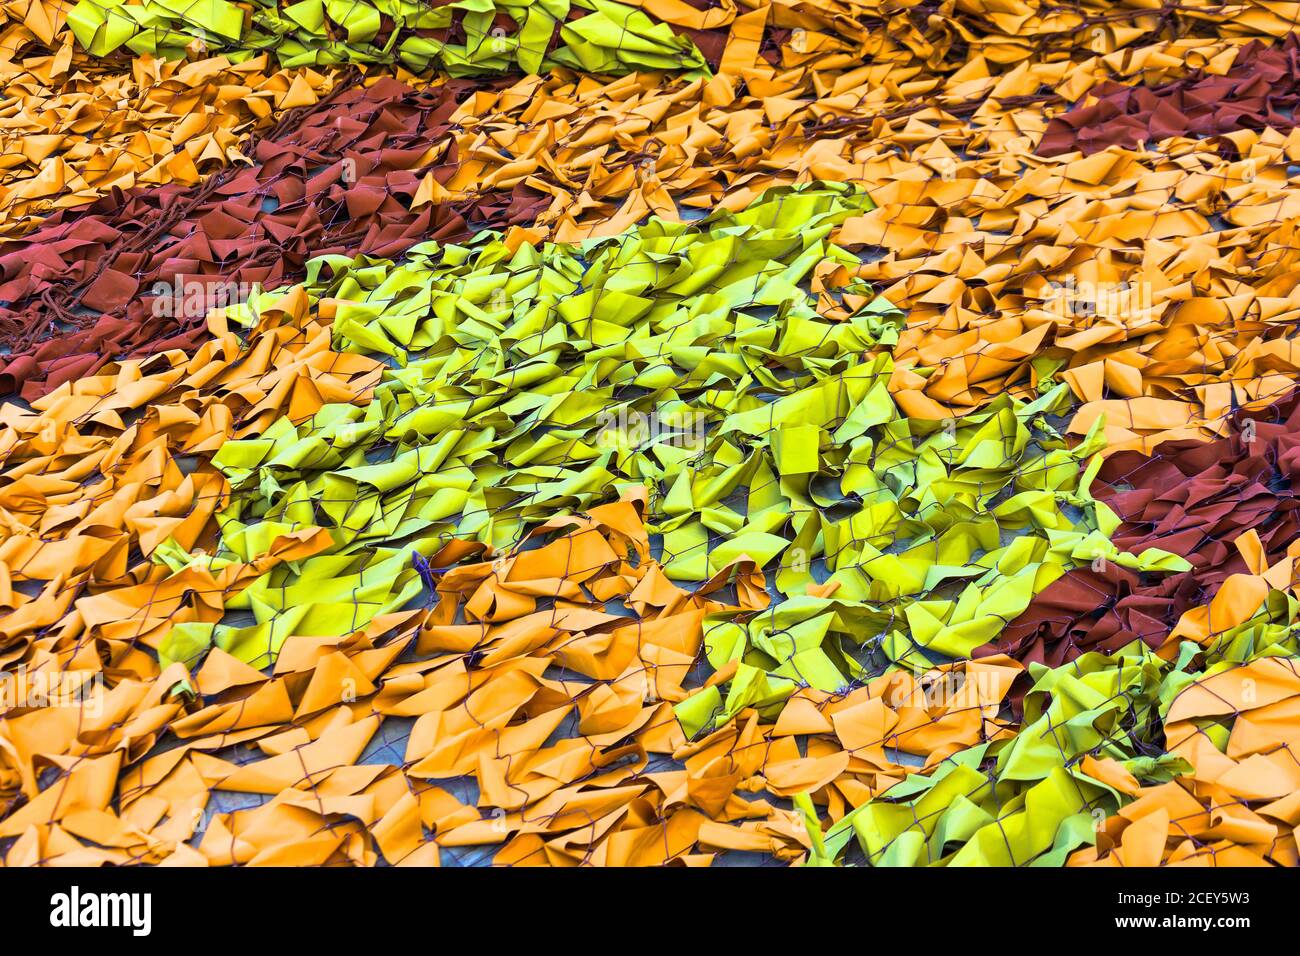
1261	89
1191	498
84	288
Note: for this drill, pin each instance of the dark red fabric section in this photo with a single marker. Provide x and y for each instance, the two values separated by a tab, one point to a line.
79	291
1191	498
1261	89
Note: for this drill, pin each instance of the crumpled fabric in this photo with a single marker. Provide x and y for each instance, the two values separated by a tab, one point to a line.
817	45
102	475
74	131
1232	723
1214	699
1195	499
136	272
480	703
1178	756
634	187
514	342
35	26
1260	90
617	539
1015	269
944	38
1032	797
463	38
334	521
1159	344
488	633
1238	807
601	150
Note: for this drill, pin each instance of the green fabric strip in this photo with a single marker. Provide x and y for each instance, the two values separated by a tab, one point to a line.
690	359
608	38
